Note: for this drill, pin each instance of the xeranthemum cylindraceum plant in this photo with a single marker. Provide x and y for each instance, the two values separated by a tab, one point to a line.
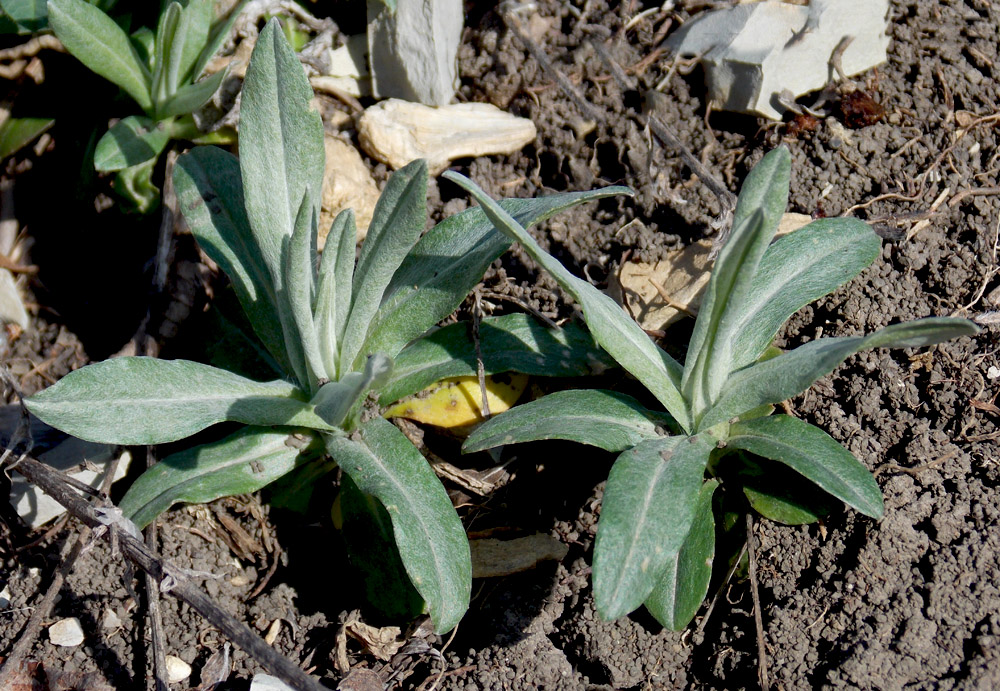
331	330
656	534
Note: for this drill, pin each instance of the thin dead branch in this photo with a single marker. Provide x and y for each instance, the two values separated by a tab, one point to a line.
171	578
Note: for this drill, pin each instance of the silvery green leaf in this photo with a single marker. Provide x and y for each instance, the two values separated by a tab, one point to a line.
430	537
684	583
787	375
448	261
605	419
813	453
191	97
141	400
761	203
209	189
281	144
649	505
333	299
216	37
241	463
168	29
299	294
612	328
797	269
95	40
198	17
132	140
511	343
335	399
397	222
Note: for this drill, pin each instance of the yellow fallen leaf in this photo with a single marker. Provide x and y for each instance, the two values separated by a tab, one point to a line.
457	402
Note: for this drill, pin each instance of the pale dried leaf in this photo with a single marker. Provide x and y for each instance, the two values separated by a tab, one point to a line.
347	184
660	293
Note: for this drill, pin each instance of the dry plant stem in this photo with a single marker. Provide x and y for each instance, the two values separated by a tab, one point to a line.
42	610
536	52
477	315
758	621
158	638
52	482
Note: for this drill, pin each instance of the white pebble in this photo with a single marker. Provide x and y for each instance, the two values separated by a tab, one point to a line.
66	632
177	669
5	597
993	372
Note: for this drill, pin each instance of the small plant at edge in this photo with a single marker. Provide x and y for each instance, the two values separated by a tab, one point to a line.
656	534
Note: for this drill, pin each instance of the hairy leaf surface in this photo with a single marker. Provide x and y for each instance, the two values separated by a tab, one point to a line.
95	40
431	540
791	373
141	400
812	453
241	463
649	505
679	593
605	419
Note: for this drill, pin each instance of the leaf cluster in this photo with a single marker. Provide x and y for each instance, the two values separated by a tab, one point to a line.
334	331
656	536
158	69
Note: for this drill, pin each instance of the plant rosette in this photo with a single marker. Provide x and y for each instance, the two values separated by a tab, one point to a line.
656	535
345	341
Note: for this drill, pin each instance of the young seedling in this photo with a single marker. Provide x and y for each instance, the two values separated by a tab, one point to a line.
332	331
656	536
159	71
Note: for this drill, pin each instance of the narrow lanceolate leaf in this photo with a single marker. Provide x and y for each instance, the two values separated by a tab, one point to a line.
242	462
758	211
648	508
812	453
678	595
797	269
140	400
209	190
299	294
99	43
624	340
787	375
605	419
333	298
191	97
16	133
198	17
335	399
511	343
217	36
281	144
169	33
430	537
448	261
397	222
133	140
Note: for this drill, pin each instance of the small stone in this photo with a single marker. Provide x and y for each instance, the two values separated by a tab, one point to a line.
177	669
5	597
992	373
110	620
66	632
